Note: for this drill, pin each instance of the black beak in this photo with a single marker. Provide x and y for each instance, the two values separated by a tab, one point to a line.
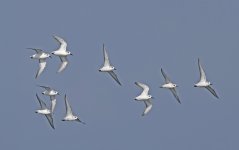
71	54
195	86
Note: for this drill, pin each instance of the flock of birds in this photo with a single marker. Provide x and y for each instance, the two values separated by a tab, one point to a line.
62	53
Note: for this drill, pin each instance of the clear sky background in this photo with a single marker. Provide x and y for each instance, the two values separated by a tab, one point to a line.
140	37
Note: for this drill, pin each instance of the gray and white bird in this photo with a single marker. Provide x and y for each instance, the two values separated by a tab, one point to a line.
62	52
41	56
107	67
69	114
145	97
203	81
45	111
52	93
169	85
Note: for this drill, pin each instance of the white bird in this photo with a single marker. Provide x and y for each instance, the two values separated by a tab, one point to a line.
107	67
45	111
144	96
62	52
69	114
203	81
41	56
52	93
169	85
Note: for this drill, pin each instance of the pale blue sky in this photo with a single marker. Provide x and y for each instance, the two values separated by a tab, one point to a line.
141	37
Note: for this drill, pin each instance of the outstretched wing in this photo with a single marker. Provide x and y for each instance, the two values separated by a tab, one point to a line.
114	76
53	103
42	104
106	57
209	88
50	120
42	66
144	87
64	63
45	87
173	90
62	42
202	72
148	107
167	80
68	108
80	121
39	51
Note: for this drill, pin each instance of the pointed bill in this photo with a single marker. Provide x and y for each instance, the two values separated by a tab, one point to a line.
148	105
62	42
209	88
114	76
64	63
106	57
167	80
144	87
173	90
202	72
42	66
68	108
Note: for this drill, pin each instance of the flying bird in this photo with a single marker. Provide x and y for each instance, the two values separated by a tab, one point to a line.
52	93
69	114
144	96
62	52
203	81
45	111
107	67
169	85
41	56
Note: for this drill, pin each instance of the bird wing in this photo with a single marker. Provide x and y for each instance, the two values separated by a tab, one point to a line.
144	87
167	80
173	90
62	42
50	120
114	76
42	66
42	104
148	105
39	51
209	88
45	87
106	57
64	63
53	103
80	121
68	108
202	72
